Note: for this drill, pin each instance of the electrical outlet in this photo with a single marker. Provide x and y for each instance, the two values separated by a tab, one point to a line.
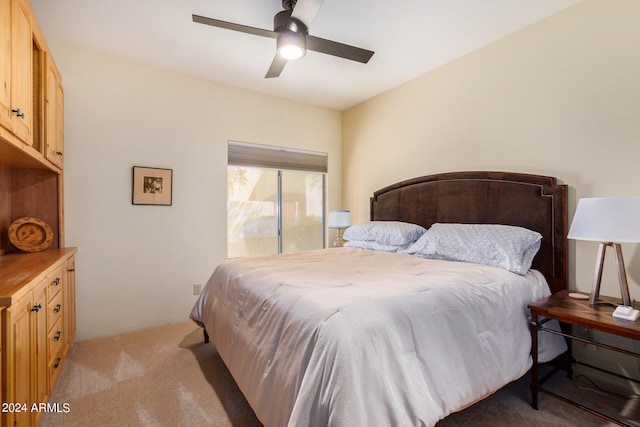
197	289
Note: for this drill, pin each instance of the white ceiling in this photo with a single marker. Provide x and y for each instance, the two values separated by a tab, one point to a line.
409	38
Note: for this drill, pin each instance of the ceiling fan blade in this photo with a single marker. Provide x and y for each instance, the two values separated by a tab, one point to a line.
305	10
236	27
338	49
277	65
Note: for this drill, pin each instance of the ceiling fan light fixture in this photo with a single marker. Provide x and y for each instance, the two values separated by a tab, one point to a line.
291	31
291	45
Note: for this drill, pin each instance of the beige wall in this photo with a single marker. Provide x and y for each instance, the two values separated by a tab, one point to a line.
561	98
136	265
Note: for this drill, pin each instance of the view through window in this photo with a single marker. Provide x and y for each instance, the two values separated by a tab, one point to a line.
271	210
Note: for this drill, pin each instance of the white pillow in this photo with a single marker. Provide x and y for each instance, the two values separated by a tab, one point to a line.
375	246
504	246
385	232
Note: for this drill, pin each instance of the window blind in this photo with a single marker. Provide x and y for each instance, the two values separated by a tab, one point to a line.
268	156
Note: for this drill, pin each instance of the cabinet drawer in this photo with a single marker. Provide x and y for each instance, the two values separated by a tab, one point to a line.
55	309
56	339
55	366
55	283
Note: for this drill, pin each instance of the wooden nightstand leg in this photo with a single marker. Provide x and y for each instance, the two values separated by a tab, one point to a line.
534	356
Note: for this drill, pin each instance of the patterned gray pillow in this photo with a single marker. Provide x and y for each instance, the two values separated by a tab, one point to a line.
394	233
504	246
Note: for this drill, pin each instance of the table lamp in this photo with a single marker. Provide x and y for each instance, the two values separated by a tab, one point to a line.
610	221
340	220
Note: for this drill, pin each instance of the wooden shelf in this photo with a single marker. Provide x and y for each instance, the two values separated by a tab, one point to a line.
21	155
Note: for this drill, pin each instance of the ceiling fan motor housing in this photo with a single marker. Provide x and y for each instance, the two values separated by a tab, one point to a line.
283	21
291	34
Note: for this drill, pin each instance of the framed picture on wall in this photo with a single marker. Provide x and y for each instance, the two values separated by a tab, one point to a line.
152	186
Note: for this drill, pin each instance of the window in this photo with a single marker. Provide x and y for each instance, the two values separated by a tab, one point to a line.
275	200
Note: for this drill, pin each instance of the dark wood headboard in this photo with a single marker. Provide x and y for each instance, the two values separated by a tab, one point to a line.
535	202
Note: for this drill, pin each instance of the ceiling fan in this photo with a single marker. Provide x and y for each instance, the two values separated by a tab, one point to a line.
291	31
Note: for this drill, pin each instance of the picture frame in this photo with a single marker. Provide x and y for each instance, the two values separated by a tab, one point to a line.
152	186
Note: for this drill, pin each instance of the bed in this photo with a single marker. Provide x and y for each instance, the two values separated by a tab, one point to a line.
351	336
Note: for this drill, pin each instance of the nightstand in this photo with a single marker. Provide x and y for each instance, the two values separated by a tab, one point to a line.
576	312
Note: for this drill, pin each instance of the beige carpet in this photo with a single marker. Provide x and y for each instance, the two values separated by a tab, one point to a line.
168	377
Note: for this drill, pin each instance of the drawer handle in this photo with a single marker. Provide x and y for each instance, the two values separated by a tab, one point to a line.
59	153
56	281
18	113
57	336
36	308
57	362
57	308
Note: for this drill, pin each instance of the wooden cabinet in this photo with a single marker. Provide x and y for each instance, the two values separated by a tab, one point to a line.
53	114
18	358
70	300
31	147
16	97
25	355
56	330
5	63
31	92
30	183
41	388
35	292
22	72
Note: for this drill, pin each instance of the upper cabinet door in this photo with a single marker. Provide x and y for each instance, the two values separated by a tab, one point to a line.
22	71
31	92
5	63
54	114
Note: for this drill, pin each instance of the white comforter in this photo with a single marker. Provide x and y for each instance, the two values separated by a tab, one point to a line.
350	337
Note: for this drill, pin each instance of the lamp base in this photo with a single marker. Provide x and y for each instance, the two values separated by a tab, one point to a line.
622	274
339	239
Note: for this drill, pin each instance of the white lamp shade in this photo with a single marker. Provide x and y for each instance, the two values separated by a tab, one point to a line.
339	219
607	219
